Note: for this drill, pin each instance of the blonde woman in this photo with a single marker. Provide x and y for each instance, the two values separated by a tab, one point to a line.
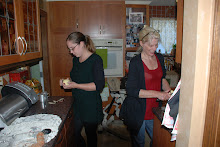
146	83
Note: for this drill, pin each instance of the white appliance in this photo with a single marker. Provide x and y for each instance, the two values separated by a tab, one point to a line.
114	50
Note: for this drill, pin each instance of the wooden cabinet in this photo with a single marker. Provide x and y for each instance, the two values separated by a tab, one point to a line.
61	20
161	136
62	16
65	138
20	38
100	19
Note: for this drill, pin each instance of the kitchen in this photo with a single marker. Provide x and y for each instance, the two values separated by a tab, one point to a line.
195	95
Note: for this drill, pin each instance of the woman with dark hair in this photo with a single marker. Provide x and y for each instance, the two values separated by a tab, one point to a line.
87	81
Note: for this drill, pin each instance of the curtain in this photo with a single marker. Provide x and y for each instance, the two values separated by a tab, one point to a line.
167	30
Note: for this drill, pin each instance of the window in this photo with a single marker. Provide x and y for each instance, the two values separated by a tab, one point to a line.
167	30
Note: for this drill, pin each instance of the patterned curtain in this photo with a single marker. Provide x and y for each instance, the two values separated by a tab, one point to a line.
167	30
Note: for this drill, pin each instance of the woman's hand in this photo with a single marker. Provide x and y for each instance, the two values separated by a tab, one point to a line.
163	96
71	85
61	82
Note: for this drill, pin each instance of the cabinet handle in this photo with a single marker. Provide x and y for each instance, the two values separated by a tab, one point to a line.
103	30
19	38
100	30
77	23
25	44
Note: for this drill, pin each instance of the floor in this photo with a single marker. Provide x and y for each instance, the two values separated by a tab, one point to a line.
115	135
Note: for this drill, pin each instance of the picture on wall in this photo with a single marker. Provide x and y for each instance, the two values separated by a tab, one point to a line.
136	18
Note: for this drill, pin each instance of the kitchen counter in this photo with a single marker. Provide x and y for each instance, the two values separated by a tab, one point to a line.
60	108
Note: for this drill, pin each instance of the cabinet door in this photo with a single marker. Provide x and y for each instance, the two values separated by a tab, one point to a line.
113	22
61	141
8	50
61	24
89	16
29	28
62	16
20	21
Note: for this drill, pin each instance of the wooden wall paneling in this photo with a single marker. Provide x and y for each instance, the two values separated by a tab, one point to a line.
212	120
179	36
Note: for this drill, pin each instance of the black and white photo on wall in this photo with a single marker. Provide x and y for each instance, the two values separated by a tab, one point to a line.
136	18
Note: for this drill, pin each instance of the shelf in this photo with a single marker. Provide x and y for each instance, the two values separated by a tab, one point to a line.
131	49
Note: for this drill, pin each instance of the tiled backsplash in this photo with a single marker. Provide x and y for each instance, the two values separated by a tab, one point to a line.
163	11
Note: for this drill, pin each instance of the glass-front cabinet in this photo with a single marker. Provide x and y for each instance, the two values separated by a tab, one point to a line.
19	31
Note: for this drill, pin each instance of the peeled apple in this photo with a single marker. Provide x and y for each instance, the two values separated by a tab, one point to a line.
66	81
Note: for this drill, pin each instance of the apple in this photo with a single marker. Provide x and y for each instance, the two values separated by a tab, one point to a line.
66	81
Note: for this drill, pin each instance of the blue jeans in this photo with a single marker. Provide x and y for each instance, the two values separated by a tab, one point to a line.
139	140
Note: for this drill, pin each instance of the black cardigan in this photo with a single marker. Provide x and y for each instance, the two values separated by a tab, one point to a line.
133	108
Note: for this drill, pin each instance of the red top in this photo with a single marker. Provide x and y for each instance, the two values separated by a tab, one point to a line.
152	82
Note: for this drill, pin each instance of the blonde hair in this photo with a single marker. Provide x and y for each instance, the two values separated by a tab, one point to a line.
147	34
77	37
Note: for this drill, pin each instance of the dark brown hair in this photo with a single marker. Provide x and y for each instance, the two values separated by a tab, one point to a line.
77	37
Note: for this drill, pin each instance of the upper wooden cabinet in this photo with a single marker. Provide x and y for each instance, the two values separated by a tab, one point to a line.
62	16
101	19
19	31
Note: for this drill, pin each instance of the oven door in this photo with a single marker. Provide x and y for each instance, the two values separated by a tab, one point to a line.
112	60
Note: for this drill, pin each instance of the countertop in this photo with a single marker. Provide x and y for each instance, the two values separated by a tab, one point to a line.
60	108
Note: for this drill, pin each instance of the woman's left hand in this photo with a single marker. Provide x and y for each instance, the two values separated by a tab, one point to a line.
163	96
